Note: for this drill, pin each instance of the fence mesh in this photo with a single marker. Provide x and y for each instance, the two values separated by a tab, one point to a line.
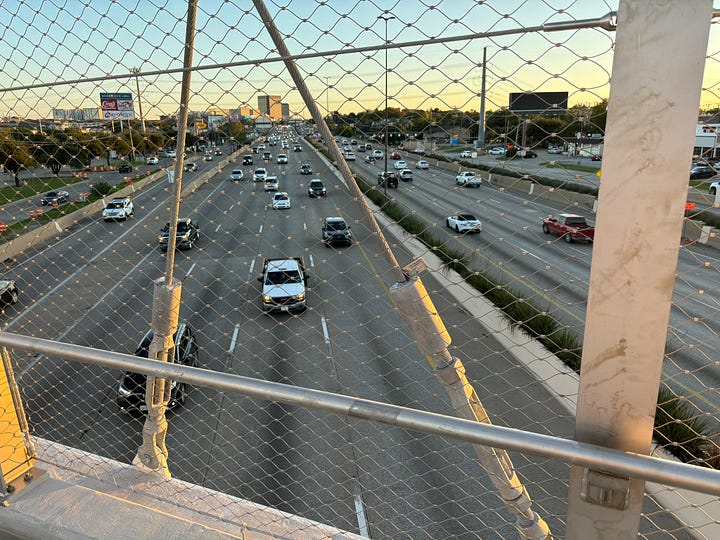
73	137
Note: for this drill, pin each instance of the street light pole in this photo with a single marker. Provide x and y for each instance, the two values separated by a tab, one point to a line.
386	18
137	83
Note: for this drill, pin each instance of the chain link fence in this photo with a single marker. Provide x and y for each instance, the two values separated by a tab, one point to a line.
516	93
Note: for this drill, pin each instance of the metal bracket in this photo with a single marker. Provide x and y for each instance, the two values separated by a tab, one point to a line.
605	489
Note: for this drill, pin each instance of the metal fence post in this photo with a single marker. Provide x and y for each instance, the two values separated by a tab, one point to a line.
656	82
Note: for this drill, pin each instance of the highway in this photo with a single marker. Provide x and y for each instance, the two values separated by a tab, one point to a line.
93	286
554	275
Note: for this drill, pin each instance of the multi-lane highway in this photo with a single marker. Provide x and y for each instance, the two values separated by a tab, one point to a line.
93	286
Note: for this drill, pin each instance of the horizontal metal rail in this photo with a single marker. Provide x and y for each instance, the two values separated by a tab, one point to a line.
598	458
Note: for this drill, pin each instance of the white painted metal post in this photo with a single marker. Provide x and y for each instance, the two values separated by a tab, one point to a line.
656	81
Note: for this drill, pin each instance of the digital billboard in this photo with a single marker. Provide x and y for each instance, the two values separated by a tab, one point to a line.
539	102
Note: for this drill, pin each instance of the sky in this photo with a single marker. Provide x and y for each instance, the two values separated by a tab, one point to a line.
58	45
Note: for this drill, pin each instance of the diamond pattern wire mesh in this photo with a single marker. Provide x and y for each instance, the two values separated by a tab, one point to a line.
90	282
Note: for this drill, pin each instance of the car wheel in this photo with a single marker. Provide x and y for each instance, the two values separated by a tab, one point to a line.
546	229
568	238
457	228
11	297
713	191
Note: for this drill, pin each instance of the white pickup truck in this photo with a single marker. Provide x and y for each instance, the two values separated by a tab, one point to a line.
284	283
468	179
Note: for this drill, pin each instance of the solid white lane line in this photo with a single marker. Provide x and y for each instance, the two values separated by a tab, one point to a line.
190	270
233	341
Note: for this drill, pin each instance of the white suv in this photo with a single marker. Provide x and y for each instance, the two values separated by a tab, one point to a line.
400	165
121	208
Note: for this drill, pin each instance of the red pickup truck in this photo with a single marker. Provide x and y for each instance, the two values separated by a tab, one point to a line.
570	226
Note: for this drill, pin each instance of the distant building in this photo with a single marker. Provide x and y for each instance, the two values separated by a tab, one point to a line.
285	108
77	115
271	107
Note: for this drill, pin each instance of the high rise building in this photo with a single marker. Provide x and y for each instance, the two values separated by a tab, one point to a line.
270	106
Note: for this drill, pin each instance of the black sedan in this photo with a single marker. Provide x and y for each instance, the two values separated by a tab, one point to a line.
702	171
55	197
131	390
305	169
125	168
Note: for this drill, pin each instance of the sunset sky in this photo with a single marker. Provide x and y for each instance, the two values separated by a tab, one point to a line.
48	42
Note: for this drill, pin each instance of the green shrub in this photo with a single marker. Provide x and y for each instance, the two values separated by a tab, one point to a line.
101	188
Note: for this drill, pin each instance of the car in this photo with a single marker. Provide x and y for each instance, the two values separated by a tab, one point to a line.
570	227
406	175
422	164
316	188
464	223
125	168
555	150
267	156
305	168
378	154
596	157
259	174
387	179
297	148
466	154
497	151
370	158
207	157
236	174
468	179
271	183
152	160
361	148
284	284
218	152
169	152
52	198
9	292
247	159
190	167
701	172
395	155
118	208
281	201
282	159
261	146
349	156
187	234
528	154
131	389
714	188
400	165
254	149
335	232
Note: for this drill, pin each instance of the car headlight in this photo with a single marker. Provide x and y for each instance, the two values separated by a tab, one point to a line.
301	297
124	392
161	238
267	299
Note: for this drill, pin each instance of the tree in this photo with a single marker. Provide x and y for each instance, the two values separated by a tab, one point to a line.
15	156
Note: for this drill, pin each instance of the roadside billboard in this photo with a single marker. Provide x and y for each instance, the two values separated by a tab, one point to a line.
117	106
548	103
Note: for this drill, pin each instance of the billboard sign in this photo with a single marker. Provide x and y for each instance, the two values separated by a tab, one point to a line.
539	102
117	106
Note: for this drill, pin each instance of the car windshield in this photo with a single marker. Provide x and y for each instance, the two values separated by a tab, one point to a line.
467	217
335	225
316	184
575	221
51	194
282	277
115	205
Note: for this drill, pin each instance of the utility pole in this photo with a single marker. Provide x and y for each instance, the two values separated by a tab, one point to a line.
386	18
137	83
481	119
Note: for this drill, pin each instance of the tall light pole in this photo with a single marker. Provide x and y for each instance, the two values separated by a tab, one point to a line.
386	18
137	83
